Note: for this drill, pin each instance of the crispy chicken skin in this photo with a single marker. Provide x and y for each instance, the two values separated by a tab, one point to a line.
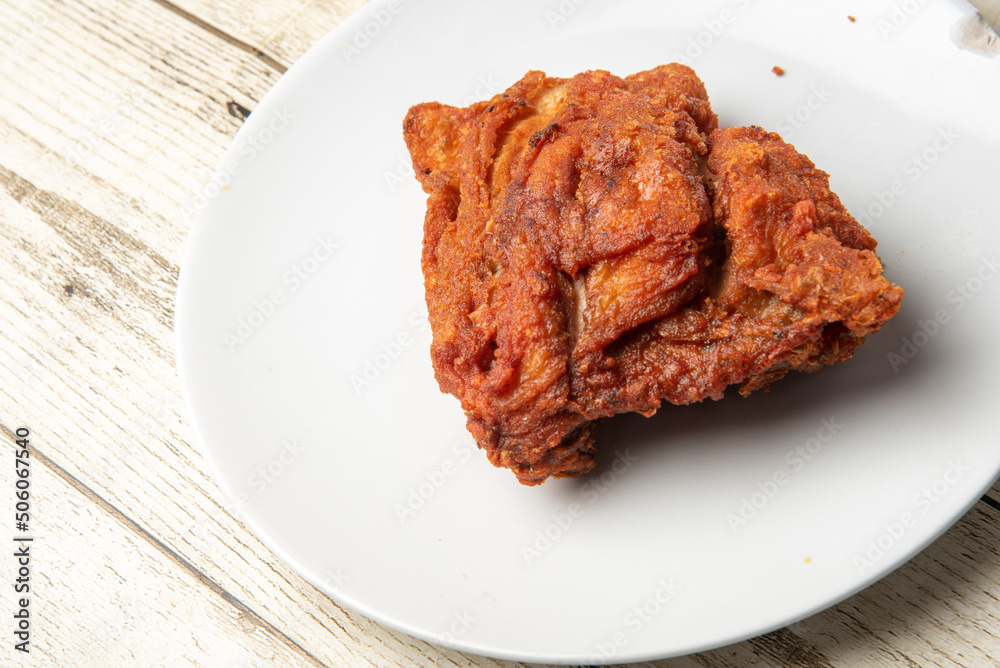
595	245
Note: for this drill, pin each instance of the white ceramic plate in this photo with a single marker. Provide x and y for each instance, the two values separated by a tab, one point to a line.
303	345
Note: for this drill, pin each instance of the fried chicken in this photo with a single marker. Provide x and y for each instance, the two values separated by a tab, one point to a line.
595	245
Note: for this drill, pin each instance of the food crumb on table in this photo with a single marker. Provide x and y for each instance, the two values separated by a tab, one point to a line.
777	69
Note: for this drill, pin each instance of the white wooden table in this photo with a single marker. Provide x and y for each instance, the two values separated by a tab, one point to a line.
112	114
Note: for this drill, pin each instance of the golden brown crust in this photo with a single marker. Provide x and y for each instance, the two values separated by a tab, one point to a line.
577	265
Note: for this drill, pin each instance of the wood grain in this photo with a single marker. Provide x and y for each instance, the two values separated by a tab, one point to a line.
286	30
87	311
112	116
122	600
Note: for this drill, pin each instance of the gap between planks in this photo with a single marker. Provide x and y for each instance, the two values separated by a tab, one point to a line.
128	522
221	34
162	547
991	502
790	646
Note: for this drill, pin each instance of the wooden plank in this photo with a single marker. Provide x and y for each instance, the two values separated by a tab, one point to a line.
112	104
90	244
938	610
283	30
994	492
102	596
89	279
68	352
155	427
